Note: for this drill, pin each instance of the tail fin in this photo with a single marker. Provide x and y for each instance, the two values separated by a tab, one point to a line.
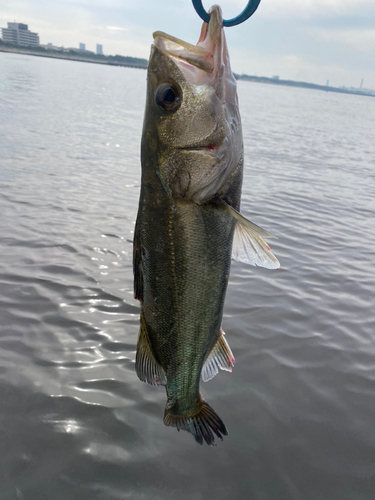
203	424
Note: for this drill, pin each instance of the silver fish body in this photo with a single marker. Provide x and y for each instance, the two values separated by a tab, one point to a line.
192	167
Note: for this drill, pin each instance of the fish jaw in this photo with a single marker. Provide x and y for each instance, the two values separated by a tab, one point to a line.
200	144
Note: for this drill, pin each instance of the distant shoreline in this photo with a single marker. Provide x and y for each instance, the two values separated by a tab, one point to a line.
69	57
292	83
143	65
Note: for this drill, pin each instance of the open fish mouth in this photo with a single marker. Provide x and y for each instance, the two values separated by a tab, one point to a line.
200	63
193	55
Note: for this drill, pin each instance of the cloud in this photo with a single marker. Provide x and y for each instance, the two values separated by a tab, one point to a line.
353	40
117	28
311	8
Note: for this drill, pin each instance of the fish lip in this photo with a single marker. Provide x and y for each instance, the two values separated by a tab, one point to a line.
208	149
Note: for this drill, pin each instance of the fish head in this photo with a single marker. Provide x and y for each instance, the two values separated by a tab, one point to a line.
192	121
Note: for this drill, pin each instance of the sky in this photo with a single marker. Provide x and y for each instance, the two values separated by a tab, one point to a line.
306	40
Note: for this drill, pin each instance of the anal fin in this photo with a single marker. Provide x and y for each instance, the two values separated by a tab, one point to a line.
221	357
146	366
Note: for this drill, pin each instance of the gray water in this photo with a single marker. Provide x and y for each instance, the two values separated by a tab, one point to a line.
75	421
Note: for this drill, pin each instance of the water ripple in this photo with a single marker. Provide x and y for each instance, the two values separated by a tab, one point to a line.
75	420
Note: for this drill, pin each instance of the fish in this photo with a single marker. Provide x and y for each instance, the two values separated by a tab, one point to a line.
189	224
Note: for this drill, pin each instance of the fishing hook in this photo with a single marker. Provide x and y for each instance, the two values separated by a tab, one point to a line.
248	11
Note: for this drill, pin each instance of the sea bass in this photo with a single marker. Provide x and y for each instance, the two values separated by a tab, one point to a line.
188	220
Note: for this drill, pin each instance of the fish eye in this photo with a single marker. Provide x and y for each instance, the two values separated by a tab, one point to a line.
168	96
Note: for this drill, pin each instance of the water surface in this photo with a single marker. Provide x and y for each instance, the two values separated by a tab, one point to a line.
75	421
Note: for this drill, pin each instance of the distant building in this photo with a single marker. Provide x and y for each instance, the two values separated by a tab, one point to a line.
276	77
19	34
99	49
82	46
50	46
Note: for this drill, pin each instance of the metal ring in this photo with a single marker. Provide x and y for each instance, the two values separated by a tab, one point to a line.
248	11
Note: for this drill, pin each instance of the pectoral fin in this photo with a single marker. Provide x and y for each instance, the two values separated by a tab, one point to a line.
249	246
220	357
146	366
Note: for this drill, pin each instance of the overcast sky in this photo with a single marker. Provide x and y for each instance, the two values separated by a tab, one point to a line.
307	40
